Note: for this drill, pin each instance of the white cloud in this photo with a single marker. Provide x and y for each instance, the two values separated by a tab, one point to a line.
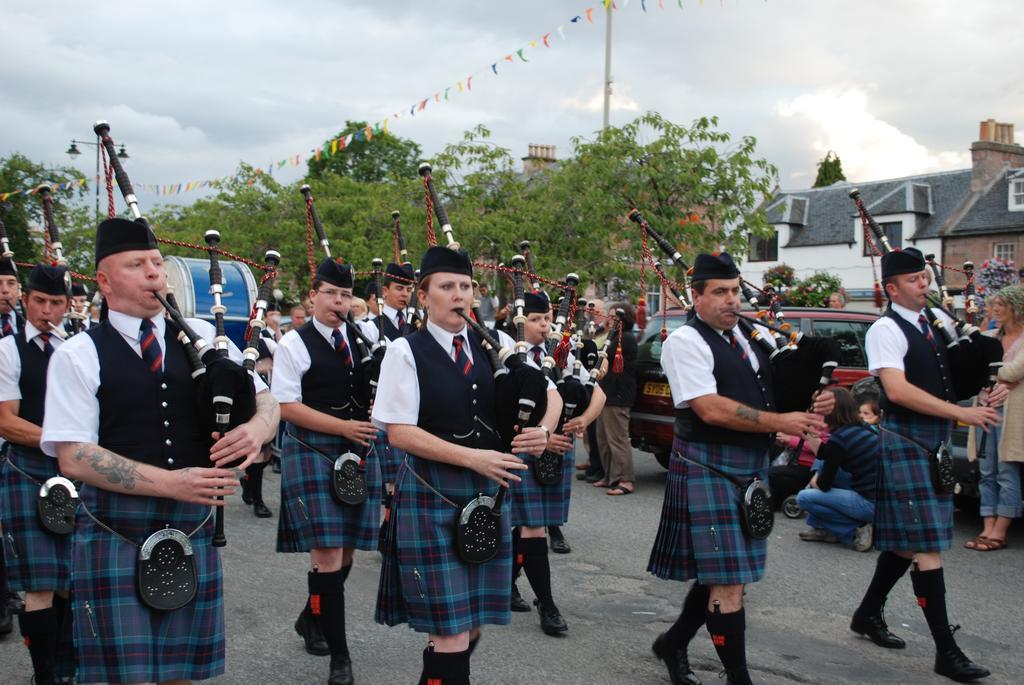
620	102
840	119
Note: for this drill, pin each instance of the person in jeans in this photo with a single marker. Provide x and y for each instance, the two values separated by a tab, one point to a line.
1004	448
843	514
613	425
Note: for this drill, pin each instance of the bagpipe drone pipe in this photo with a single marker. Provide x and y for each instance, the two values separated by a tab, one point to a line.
970	353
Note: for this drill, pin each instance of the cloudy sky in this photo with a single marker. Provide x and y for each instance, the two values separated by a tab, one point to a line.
895	87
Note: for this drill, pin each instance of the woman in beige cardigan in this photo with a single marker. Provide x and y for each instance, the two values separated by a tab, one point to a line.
1004	451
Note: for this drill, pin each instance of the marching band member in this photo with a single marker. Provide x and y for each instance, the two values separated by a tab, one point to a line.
10	292
121	417
40	559
314	380
437	401
722	390
913	522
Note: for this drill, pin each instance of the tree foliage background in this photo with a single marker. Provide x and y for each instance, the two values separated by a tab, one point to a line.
696	185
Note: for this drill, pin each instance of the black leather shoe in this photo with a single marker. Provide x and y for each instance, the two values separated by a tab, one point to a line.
6	622
875	629
309	630
261	510
558	543
341	671
551	621
676	661
954	664
518	603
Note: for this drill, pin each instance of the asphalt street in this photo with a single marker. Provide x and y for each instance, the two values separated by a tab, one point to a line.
797	616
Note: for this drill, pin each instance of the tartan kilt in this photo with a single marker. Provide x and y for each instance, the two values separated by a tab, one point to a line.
910	516
117	638
37	559
534	505
699	534
390	458
423	582
310	518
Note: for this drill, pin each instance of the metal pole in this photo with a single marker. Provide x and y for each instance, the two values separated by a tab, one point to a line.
98	143
607	64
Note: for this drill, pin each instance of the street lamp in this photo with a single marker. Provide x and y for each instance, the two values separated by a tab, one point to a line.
74	152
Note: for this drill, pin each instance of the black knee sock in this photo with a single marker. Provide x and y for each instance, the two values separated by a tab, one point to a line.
691	618
345	570
728	635
327	595
445	668
517	554
538	571
65	655
888	570
473	643
930	589
254	475
39	628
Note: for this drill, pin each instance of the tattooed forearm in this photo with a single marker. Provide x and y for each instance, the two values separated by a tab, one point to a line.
269	411
748	414
116	469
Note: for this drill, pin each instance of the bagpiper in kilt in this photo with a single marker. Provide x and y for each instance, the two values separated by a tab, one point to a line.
390	323
437	393
535	505
38	560
125	422
722	388
913	520
315	380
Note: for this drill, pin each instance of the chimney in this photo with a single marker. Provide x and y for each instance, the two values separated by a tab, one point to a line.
992	152
538	158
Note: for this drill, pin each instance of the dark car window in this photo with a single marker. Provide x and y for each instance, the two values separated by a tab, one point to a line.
649	348
850	337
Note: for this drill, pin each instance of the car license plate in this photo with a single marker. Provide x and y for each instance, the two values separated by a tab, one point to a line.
657	389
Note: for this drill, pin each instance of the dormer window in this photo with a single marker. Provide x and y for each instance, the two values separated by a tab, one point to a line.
1017	195
893	230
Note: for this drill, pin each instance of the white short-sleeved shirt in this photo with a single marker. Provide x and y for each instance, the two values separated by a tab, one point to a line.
291	361
398	390
73	379
10	361
369	326
885	343
689	363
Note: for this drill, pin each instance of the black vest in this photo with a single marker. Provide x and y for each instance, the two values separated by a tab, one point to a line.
143	416
388	329
327	384
451	403
735	379
924	366
32	383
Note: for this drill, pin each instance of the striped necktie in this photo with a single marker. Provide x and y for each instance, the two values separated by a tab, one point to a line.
536	355
341	347
47	347
150	346
734	343
927	331
401	320
462	361
8	329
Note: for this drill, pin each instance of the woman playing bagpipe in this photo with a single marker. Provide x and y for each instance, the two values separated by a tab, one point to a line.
542	498
717	512
448	557
330	496
122	417
914	506
38	546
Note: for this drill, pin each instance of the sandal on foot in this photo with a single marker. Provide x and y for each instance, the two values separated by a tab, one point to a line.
600	484
973	542
985	544
618	491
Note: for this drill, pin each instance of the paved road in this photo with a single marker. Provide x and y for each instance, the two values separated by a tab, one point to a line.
797	616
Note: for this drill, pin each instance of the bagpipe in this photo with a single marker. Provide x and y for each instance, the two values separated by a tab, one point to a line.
971	354
412	310
225	391
802	365
55	254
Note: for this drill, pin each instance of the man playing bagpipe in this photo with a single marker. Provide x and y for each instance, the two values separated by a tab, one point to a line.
722	388
913	519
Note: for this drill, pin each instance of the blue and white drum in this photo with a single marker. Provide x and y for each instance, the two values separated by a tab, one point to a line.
190	279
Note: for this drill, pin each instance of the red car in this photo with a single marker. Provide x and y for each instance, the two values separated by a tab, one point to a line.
653	416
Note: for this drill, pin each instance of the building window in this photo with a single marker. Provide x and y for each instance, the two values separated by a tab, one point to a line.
1003	251
1017	196
893	230
764	249
654	295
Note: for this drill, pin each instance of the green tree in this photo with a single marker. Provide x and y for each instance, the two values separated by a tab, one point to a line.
830	170
22	214
380	156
